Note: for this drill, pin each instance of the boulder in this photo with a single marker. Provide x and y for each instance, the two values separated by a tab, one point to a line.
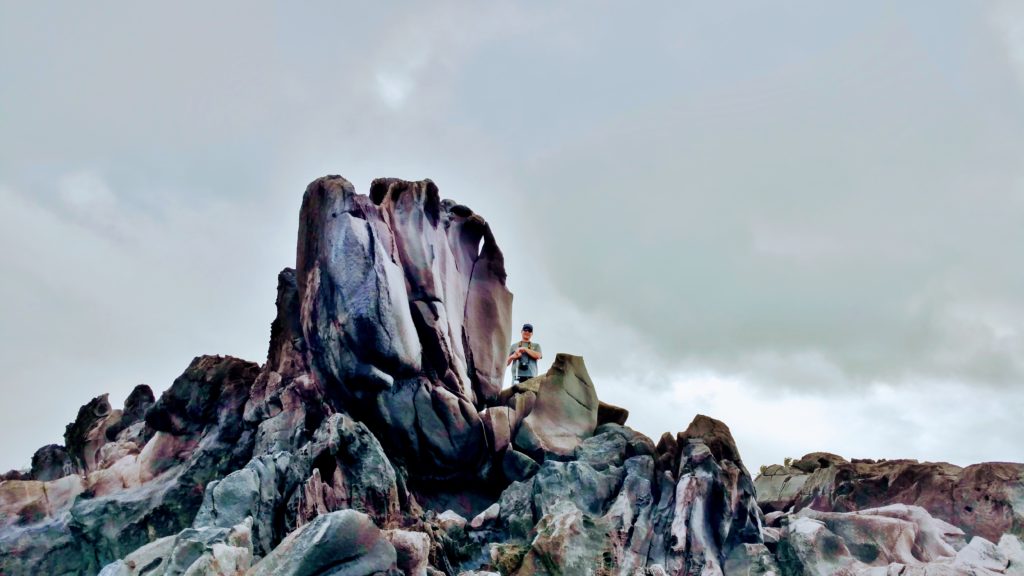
412	551
568	541
51	462
611	414
258	492
565	412
341	543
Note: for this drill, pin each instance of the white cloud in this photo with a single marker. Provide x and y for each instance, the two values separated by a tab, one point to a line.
1008	18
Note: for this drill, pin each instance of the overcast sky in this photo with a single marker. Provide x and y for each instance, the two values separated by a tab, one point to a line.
805	219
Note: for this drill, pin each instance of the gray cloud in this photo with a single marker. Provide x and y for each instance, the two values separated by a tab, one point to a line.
852	211
804	199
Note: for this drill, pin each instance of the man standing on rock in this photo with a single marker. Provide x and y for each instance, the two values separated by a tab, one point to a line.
525	355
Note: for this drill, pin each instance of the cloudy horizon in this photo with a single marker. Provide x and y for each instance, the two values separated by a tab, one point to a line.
803	220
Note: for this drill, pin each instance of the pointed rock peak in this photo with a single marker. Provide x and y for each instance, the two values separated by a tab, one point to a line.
716	435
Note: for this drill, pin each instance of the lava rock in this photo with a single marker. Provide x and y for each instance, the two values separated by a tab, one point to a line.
342	543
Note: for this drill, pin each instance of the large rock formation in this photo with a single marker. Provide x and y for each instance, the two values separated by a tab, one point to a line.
377	439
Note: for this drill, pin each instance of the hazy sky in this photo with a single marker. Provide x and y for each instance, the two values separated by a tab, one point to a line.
803	218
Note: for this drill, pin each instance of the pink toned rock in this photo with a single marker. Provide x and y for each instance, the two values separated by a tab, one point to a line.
983	499
565	412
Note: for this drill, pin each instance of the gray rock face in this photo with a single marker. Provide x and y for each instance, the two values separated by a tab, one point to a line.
406	314
342	543
255	493
127	494
350	470
354	304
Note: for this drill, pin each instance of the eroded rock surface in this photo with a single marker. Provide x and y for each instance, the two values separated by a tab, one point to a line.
891	540
376	439
984	500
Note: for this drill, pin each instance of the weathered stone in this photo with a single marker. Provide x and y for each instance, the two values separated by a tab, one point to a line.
629	517
355	309
165	481
350	470
515	509
342	543
715	435
287	402
611	414
592	491
257	491
715	509
51	462
569	541
212	391
412	551
983	499
602	451
565	412
517	466
84	436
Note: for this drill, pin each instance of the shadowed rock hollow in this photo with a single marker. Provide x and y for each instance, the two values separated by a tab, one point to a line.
377	439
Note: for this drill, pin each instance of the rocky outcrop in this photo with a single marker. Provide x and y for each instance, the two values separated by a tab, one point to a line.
386	284
127	492
894	539
611	508
377	439
984	500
